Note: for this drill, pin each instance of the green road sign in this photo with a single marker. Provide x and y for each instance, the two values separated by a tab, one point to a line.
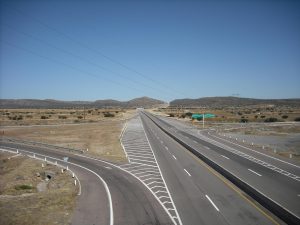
200	116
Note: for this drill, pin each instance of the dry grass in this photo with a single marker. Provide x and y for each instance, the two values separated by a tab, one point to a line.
100	138
27	206
15	117
231	114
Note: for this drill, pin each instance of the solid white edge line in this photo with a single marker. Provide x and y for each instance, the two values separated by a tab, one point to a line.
170	196
255	172
120	140
232	150
258	152
111	217
187	172
212	203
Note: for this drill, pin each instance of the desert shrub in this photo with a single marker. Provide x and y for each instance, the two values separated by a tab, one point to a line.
29	116
243	120
44	117
171	115
297	119
284	116
262	116
62	117
90	111
23	187
117	112
271	120
255	116
189	114
16	117
108	114
240	113
80	117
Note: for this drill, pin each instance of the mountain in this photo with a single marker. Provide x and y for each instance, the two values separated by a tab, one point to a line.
214	102
144	102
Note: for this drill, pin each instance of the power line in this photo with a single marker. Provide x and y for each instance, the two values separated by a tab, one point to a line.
67	65
82	58
94	50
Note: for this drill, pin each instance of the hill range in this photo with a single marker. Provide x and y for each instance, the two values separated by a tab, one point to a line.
144	102
213	102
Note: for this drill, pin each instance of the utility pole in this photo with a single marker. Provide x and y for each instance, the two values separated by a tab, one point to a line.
84	112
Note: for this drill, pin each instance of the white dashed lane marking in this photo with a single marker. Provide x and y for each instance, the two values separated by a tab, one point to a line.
224	156
187	172
212	203
255	172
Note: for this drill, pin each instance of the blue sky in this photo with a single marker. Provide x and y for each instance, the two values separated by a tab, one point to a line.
88	50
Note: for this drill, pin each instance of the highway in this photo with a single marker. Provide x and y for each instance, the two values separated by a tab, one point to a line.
132	203
200	194
274	178
164	183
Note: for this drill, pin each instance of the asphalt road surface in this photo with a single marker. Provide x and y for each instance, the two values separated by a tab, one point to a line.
276	178
163	183
132	203
200	194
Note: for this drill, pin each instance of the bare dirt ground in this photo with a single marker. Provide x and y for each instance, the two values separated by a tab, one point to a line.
281	138
100	138
26	198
